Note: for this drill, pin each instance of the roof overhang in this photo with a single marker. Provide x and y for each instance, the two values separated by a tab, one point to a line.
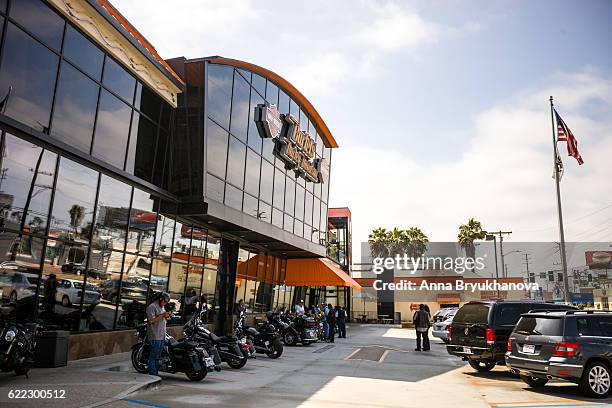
112	32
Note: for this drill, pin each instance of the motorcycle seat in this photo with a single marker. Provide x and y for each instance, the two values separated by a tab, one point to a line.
181	345
223	339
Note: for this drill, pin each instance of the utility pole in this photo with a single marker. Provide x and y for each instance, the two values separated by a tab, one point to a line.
527	268
501	234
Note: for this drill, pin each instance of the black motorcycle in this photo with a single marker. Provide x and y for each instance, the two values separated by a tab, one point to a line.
177	356
229	348
17	346
301	329
264	338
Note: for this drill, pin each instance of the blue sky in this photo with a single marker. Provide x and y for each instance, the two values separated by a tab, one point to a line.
440	107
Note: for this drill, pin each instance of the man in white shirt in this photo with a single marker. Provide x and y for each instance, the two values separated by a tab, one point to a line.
299	308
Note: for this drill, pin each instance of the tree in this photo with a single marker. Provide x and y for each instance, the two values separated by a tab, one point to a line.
416	241
378	240
383	243
77	213
468	233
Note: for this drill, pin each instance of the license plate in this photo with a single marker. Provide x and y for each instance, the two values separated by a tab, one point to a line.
266	343
467	350
209	361
529	349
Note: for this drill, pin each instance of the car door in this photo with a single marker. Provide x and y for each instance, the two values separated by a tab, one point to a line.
605	332
588	331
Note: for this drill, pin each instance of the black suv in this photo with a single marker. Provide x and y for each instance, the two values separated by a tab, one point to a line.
575	346
480	330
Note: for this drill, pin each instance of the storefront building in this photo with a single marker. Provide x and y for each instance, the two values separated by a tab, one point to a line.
123	175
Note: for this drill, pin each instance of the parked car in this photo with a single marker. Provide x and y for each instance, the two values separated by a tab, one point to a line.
129	290
480	329
440	329
15	286
69	293
574	346
444	313
98	274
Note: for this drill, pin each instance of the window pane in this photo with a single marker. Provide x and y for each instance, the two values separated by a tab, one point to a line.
233	197
142	147
299	203
255	140
210	276
219	93
30	69
118	80
267	175
161	158
26	166
316	219
251	181
112	215
308	209
112	128
294	110
290	196
323	217
279	189
75	109
250	205
83	53
150	104
277	217
240	108
40	20
162	254
73	205
214	188
298	228
288	225
272	93
235	162
143	221
259	83
216	150
20	260
134	291
104	274
265	211
283	102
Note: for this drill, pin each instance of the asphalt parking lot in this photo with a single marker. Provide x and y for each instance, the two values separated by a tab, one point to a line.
375	367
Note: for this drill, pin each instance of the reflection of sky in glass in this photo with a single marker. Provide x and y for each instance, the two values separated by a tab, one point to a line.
112	130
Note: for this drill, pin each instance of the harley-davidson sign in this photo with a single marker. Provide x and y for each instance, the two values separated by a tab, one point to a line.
293	145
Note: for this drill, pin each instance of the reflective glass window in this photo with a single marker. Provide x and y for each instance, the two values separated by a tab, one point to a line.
259	83
299	203
30	69
178	268
319	145
240	108
236	162
255	140
75	108
118	80
283	102
214	188
112	128
324	192
73	205
288	224
251	176
161	157
279	189
250	205
323	227
26	167
110	227
307	232
272	93
219	93
150	104
308	208
277	217
143	221
134	290
298	228
233	197
142	147
20	267
83	53
162	254
210	277
3	4
267	180
290	196
265	212
39	19
216	149
316	219
294	110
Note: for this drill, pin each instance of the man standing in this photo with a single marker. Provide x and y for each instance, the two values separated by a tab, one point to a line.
331	321
156	329
421	325
341	322
50	293
325	324
299	308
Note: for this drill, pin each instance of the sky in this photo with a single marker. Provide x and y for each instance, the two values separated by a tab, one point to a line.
440	108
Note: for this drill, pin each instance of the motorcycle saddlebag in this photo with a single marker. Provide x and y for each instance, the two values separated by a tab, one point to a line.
188	361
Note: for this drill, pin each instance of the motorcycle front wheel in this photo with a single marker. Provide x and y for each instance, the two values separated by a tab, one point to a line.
277	349
137	360
290	339
237	362
197	376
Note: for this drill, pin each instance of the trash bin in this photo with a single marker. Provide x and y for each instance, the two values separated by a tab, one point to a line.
397	318
52	349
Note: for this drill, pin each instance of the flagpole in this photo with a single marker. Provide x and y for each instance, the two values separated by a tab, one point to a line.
567	295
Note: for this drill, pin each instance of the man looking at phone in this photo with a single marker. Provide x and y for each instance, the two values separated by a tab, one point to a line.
156	329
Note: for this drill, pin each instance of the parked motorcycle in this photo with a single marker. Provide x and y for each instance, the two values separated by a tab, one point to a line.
177	356
301	329
264	338
229	348
17	346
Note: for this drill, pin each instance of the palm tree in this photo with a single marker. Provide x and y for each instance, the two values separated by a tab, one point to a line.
416	242
378	240
468	233
77	213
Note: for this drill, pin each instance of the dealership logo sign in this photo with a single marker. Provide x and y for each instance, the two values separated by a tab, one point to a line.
293	145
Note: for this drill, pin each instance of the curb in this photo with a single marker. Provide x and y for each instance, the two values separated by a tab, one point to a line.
152	383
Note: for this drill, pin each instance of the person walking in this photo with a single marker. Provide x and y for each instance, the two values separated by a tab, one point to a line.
341	321
331	321
421	325
156	329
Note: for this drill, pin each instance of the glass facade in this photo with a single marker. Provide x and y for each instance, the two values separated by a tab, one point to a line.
242	170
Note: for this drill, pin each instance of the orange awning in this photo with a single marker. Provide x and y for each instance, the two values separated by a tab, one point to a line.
317	272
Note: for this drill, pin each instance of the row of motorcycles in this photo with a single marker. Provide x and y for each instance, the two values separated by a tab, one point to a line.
201	351
18	340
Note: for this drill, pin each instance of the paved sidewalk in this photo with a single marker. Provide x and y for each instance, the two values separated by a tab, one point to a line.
90	382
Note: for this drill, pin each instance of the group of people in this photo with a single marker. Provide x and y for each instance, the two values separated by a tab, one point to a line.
332	318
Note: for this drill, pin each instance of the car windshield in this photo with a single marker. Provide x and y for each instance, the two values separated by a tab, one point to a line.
472	313
545	326
32	280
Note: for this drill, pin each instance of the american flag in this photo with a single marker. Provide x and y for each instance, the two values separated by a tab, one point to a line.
564	134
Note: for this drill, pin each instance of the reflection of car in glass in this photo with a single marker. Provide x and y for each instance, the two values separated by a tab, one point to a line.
98	274
69	292
73	268
17	285
129	290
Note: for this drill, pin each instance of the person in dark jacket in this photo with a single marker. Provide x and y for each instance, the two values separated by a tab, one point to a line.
421	325
341	322
331	321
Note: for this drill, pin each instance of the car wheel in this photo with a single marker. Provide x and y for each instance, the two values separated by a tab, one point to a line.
13	297
596	380
65	301
534	382
482	366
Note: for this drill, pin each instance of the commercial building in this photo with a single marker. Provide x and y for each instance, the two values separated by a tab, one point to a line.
123	175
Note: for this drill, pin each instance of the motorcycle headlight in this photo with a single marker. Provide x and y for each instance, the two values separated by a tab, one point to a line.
10	335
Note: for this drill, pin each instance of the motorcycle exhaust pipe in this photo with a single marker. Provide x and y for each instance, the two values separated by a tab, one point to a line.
550	377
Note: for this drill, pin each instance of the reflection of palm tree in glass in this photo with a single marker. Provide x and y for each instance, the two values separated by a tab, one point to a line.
77	212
